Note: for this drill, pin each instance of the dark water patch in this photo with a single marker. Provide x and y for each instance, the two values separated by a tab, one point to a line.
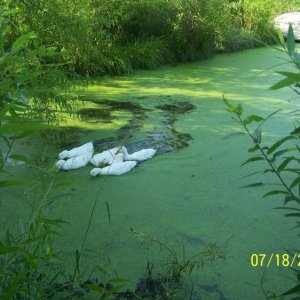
177	108
171	112
68	137
138	112
107	143
165	138
233	134
142	97
92	115
171	141
191	239
146	288
151	288
165	96
214	289
123	105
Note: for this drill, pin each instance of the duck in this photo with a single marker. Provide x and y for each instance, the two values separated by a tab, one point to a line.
141	155
118	158
81	150
74	162
118	168
105	157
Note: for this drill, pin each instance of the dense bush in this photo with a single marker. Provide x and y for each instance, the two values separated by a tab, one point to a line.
97	37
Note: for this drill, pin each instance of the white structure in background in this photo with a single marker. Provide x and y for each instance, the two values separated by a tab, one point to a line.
282	22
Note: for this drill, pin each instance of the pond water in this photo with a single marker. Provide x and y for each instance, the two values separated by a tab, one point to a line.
191	195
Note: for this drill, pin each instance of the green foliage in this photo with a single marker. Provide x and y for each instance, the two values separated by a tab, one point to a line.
108	37
29	86
148	54
237	40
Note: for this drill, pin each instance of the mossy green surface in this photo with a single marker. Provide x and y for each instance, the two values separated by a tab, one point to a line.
193	195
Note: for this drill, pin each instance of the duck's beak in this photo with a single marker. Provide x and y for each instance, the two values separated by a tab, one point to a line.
118	151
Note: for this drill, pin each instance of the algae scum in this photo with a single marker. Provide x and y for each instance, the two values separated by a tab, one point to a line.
195	228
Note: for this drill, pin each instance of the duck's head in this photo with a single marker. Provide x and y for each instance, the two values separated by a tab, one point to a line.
63	154
121	149
95	172
60	163
103	163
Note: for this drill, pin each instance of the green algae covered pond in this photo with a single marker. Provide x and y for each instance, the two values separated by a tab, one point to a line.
191	197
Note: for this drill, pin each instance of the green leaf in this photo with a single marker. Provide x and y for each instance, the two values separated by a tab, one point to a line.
296	131
291	78
6	249
23	40
12	288
295	182
252	118
275	193
56	222
231	107
287	208
280	142
41	236
290	42
284	164
280	152
253	149
95	288
292	215
239	109
257	135
290	198
256	158
110	292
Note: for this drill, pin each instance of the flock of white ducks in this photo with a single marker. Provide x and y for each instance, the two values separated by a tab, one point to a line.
115	161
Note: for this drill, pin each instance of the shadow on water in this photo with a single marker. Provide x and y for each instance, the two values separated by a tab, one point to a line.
165	138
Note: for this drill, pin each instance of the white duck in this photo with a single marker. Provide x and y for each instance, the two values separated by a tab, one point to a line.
118	168
118	158
74	162
83	149
137	156
105	157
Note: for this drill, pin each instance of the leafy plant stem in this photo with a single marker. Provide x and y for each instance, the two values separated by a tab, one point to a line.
8	152
40	206
273	167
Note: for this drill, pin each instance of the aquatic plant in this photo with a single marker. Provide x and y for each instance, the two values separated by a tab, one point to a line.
282	156
178	265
